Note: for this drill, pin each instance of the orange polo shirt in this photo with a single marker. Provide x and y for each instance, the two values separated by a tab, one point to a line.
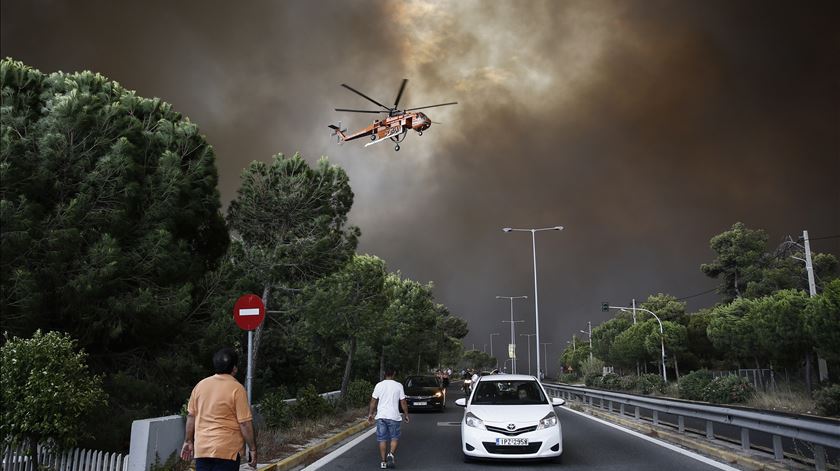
219	404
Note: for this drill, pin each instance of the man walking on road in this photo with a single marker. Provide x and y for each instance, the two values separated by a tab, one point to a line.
219	421
387	397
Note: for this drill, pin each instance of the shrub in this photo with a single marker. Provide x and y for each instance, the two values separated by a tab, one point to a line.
828	400
692	386
358	394
593	380
610	381
568	378
310	404
727	390
628	383
592	366
649	383
275	411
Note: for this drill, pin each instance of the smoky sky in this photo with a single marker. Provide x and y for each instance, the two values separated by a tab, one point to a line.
642	127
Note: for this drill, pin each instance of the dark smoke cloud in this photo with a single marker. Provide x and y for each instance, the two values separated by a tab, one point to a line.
645	128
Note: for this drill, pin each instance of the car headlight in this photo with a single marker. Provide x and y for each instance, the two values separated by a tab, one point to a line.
438	394
548	421
474	421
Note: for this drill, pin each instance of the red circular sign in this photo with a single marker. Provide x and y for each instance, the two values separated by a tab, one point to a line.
249	311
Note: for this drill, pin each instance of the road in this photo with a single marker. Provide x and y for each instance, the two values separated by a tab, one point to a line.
432	441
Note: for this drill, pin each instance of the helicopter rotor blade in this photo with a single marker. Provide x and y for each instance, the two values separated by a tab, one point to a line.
360	111
364	96
431	106
399	94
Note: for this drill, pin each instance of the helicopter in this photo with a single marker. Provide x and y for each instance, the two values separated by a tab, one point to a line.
394	127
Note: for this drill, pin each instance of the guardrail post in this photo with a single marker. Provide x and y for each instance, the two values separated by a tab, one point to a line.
656	417
819	457
745	439
778	451
621	408
637	413
611	407
680	424
710	430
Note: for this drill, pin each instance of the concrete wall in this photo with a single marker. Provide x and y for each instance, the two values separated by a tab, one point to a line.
154	439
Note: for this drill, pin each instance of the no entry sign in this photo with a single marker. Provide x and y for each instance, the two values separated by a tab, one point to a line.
249	311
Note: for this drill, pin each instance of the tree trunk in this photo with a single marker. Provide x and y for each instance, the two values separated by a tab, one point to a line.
382	364
259	330
676	367
758	374
345	381
808	372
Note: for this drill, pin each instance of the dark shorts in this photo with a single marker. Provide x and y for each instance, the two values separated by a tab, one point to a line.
386	430
216	464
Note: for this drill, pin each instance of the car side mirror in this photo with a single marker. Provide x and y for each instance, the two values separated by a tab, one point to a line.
461	402
557	402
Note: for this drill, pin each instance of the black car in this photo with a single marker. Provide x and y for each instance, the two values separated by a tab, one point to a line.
424	392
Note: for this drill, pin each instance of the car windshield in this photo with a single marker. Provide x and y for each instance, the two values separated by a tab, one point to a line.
522	392
421	382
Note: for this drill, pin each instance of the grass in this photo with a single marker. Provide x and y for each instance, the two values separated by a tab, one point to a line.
784	399
278	444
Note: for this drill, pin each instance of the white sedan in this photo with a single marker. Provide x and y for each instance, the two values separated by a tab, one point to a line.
510	417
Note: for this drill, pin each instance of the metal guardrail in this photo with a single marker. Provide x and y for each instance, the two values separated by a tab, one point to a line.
819	432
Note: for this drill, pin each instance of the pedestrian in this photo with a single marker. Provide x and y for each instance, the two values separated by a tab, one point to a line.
388	395
219	420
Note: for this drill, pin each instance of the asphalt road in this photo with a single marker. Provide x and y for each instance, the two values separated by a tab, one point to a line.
432	441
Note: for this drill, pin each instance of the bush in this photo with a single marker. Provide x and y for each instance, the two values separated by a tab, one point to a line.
568	378
727	390
358	394
592	366
610	381
310	404
275	411
593	380
628	383
828	400
649	383
692	386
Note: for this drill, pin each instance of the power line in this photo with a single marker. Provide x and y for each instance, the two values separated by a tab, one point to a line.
698	294
826	237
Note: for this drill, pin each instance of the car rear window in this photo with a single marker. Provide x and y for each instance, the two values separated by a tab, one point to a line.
508	393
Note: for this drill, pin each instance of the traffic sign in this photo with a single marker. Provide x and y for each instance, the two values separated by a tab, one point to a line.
249	311
512	350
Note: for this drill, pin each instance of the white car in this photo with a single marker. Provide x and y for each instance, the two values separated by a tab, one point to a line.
510	417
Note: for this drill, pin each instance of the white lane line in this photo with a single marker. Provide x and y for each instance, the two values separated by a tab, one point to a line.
679	450
326	459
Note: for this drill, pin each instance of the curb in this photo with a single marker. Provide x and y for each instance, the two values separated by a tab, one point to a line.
720	451
303	455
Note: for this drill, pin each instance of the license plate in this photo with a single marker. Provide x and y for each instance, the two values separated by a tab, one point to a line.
512	442
420	403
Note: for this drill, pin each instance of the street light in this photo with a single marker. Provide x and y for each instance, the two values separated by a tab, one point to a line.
512	330
590	339
529	349
545	355
661	336
491	348
536	295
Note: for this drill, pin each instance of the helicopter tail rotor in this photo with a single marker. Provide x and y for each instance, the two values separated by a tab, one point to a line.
338	132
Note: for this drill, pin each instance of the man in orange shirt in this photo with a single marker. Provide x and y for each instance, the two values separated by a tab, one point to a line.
219	421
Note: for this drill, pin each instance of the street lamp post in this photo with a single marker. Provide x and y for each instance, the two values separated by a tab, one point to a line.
661	334
590	338
536	295
529	349
491	348
512	329
545	355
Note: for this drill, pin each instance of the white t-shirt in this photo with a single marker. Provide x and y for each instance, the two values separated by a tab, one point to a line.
389	393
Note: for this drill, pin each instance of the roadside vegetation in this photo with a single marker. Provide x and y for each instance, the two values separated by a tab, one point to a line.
758	346
112	236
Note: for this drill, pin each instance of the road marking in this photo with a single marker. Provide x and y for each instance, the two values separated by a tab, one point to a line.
326	459
449	424
679	450
249	312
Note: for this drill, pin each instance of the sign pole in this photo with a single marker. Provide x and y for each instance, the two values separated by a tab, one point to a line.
249	376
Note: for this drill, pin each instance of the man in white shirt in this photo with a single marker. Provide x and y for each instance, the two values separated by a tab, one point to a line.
386	399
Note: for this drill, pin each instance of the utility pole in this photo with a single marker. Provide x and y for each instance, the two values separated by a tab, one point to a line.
491	348
545	356
590	338
529	349
822	367
512	331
